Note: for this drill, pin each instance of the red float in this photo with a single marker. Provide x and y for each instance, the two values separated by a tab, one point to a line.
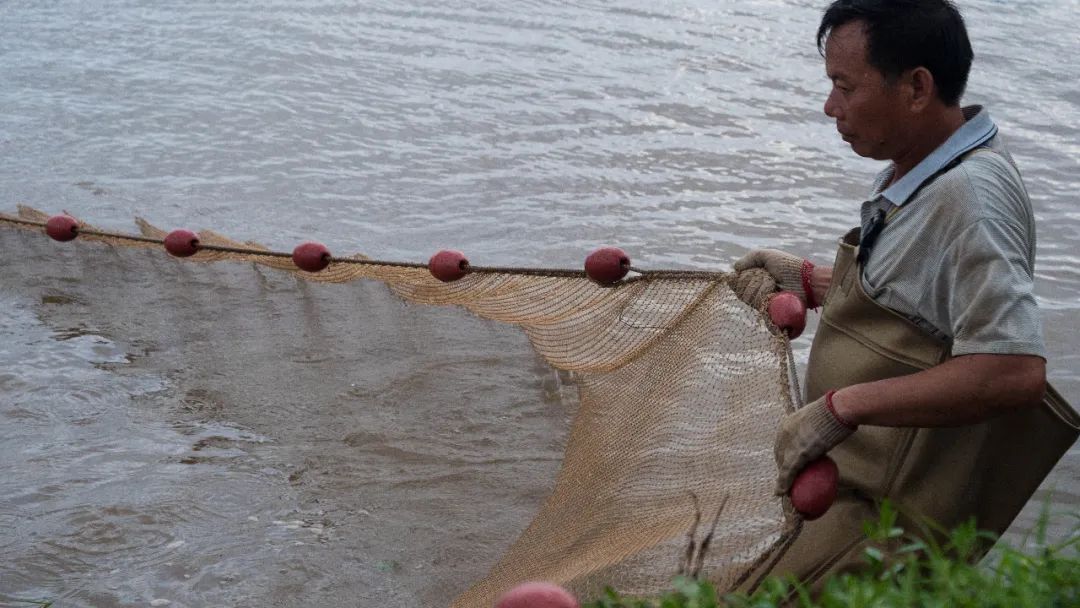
537	595
814	489
182	243
448	265
311	256
62	227
788	313
607	265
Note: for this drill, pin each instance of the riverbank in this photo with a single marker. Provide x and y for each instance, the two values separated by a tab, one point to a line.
904	570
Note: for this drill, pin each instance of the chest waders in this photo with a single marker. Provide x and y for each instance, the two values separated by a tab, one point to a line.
987	470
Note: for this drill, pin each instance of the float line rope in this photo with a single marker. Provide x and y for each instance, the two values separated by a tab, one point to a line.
688	275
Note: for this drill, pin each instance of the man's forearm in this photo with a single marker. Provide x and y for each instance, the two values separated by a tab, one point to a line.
820	279
964	390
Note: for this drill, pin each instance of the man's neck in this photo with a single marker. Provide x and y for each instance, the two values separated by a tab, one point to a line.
929	139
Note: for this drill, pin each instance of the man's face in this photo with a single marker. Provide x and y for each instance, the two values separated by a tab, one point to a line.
868	110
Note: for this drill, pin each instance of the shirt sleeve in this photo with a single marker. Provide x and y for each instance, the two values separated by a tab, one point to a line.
985	290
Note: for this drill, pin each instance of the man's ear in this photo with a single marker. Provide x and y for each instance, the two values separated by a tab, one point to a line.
923	89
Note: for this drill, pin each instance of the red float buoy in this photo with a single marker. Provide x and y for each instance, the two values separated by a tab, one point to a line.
62	227
814	488
607	265
448	265
182	243
788	313
537	595
311	256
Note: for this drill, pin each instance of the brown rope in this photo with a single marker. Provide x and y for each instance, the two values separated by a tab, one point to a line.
120	236
686	275
17	220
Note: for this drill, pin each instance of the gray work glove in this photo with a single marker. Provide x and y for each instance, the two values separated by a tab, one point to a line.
791	272
805	435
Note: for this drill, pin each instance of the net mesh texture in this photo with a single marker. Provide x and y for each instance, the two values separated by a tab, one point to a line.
682	387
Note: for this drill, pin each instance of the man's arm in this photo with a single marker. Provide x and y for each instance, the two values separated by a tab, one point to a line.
820	279
964	390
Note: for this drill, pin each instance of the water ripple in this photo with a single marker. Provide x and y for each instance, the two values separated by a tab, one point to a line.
528	134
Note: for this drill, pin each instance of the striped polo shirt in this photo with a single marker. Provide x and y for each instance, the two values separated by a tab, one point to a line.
957	251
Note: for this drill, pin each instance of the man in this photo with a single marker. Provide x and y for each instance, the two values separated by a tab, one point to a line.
927	374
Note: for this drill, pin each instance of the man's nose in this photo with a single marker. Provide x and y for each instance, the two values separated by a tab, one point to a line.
831	106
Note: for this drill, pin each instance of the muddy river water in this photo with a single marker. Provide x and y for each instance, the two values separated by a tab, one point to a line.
187	435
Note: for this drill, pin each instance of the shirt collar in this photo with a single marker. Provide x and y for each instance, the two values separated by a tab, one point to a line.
977	130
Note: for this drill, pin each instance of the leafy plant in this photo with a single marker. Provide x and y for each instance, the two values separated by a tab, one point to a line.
933	569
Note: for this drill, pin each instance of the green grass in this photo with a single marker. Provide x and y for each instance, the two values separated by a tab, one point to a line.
903	570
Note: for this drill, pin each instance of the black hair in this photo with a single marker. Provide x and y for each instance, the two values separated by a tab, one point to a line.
906	34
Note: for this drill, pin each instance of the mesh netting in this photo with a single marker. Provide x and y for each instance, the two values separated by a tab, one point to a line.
682	386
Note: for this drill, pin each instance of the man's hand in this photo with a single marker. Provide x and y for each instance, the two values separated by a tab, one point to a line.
754	286
791	272
805	435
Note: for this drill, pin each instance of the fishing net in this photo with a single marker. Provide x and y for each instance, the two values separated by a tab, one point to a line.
682	385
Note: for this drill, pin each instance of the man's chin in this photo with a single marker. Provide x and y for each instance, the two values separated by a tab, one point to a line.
865	151
853	142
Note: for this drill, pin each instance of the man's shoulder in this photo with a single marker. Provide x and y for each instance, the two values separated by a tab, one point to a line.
985	185
992	162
